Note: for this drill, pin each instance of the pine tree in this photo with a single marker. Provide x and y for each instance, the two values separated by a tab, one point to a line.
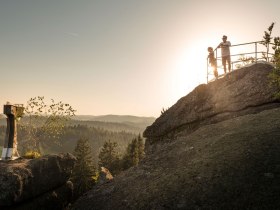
141	147
109	157
134	153
84	169
127	158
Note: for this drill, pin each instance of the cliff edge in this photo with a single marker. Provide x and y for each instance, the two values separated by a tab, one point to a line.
241	92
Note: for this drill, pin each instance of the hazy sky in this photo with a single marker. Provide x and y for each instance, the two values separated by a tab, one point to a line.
118	56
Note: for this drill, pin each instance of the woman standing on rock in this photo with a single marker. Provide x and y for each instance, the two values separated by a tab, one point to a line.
212	61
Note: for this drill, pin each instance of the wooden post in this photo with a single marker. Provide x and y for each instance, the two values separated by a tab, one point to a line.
10	144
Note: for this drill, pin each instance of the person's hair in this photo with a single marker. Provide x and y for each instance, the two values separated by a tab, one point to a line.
210	49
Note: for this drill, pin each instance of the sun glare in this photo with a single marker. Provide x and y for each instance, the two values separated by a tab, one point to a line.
190	69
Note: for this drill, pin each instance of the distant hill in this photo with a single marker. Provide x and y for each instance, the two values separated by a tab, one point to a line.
126	123
112	126
115	118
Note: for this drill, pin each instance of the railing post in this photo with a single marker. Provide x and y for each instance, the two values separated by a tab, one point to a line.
207	70
256	52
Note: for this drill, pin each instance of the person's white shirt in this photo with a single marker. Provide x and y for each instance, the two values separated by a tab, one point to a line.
225	51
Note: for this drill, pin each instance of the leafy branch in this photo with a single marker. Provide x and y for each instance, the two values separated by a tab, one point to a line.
44	120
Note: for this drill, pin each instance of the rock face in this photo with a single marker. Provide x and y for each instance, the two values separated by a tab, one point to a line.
244	91
104	176
216	148
45	179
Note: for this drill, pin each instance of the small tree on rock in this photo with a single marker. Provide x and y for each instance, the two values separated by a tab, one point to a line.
266	40
274	76
43	120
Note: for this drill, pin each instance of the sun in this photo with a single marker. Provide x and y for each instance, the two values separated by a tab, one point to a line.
190	68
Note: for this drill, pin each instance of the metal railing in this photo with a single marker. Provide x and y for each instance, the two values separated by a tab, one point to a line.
255	50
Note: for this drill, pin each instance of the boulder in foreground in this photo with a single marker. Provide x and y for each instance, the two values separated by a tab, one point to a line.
22	180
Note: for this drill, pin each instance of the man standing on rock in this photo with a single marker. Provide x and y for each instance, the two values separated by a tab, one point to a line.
225	51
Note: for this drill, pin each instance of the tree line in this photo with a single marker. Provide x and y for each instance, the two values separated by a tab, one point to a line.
93	147
85	174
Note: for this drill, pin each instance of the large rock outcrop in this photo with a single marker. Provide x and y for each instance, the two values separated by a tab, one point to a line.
244	91
36	183
216	148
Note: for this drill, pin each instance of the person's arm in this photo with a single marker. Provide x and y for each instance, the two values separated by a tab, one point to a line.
227	43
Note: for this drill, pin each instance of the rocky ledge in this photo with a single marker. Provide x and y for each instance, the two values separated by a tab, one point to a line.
36	183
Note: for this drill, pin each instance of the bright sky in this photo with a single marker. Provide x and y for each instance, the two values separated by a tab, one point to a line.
130	57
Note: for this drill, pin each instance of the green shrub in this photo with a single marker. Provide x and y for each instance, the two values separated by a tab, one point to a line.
31	155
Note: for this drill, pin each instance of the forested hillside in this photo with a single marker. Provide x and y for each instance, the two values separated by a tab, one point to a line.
96	136
96	131
115	118
112	126
132	124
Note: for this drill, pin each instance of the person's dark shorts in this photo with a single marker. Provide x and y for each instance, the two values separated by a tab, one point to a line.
225	60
